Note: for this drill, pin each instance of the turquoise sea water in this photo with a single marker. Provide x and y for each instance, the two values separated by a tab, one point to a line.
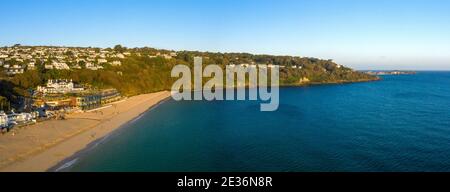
401	123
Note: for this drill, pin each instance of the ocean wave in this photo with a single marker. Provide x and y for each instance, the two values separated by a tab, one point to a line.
66	165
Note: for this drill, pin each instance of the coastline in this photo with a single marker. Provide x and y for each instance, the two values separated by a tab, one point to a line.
42	146
46	151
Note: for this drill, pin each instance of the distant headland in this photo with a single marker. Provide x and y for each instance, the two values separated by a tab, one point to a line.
394	72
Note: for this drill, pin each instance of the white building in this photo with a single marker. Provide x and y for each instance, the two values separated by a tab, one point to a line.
60	66
166	56
24	117
262	66
90	66
121	56
116	63
15	69
31	66
102	61
3	120
48	66
59	86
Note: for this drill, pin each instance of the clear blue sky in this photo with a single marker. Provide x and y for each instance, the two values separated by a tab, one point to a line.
364	34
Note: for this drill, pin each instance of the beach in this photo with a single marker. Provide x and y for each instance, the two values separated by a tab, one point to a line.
39	147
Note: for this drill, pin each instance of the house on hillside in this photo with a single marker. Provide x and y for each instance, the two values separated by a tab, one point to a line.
116	63
15	69
60	86
100	61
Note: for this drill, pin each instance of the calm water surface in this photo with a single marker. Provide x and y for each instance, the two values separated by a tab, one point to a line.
399	124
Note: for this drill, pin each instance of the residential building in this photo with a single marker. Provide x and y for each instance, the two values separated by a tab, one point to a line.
121	56
88	102
109	96
3	120
90	66
167	56
59	103
60	86
116	63
15	69
12	119
60	66
24	117
100	61
31	66
48	66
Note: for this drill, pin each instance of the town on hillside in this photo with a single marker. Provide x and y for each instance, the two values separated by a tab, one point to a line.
17	59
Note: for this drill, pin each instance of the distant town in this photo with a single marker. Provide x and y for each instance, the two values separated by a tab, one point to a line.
17	59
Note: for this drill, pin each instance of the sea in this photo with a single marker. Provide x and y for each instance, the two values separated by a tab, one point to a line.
400	123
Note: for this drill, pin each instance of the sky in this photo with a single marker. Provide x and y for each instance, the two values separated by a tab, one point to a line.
363	34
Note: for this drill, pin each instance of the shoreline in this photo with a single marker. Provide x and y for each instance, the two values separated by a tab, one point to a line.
62	152
69	161
76	134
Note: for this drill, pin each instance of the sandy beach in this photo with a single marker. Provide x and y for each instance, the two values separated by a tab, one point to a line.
39	147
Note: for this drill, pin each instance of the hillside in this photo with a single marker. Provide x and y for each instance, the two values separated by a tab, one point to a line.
147	70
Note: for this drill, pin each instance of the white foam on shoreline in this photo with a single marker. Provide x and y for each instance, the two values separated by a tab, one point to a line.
67	165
